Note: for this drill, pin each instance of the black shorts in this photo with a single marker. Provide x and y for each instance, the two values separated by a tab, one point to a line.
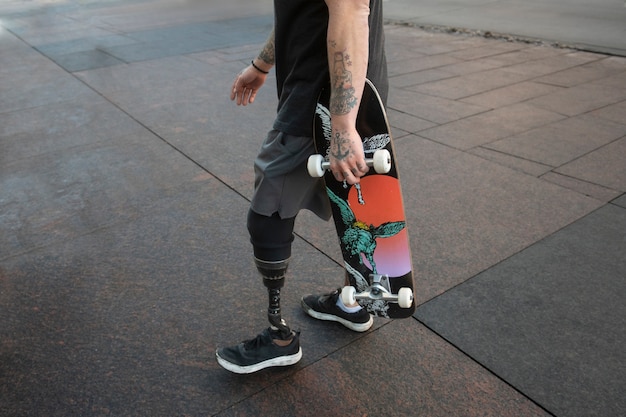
282	182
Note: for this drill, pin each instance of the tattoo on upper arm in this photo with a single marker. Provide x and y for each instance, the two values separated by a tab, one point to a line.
343	98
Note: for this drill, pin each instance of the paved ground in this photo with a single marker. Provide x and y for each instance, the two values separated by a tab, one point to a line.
124	181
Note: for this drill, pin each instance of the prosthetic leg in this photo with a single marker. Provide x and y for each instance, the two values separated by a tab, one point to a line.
271	239
273	274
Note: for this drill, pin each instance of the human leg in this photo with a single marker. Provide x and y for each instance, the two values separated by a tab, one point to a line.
271	238
278	345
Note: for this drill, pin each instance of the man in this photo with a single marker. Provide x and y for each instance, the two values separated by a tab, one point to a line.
315	44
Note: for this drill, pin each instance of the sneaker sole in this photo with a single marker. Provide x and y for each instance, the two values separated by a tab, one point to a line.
279	361
357	327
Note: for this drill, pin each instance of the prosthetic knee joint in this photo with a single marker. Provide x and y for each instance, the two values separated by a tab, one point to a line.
273	274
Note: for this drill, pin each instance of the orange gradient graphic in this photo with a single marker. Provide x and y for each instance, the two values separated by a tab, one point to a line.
383	203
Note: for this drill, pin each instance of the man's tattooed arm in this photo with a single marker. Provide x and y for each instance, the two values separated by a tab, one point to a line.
347	44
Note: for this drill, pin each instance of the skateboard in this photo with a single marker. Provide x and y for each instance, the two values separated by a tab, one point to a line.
369	216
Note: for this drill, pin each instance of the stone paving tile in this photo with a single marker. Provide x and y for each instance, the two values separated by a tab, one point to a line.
30	80
616	80
407	122
553	317
419	77
558	143
418	64
511	94
60	127
437	44
491	126
143	75
614	112
470	67
582	98
587	72
605	166
434	109
83	44
487	49
43	92
61	32
583	187
519	164
195	115
553	64
532	55
621	201
60	195
80	61
469	85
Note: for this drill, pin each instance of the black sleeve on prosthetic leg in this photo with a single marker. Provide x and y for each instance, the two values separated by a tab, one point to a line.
271	236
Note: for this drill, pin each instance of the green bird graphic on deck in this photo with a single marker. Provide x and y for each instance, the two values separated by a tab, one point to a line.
359	237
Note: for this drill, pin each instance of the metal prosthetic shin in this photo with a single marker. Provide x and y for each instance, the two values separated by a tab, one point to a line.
273	274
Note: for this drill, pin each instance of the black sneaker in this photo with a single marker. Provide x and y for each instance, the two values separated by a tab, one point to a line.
324	307
259	353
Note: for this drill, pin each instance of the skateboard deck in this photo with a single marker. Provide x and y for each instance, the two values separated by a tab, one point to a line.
369	217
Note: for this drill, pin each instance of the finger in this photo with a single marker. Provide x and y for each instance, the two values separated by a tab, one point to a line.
242	97
246	96
250	96
234	89
349	178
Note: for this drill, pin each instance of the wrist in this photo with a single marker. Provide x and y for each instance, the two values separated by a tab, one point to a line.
261	66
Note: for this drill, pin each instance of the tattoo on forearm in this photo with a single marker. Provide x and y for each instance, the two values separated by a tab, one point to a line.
343	98
340	146
267	54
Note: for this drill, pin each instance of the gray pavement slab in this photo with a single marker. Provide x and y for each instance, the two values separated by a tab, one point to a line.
549	320
124	259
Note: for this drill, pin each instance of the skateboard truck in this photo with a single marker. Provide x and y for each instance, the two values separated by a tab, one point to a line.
381	162
378	290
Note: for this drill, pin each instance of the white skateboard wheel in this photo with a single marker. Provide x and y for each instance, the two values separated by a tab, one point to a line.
348	296
382	161
405	297
314	166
